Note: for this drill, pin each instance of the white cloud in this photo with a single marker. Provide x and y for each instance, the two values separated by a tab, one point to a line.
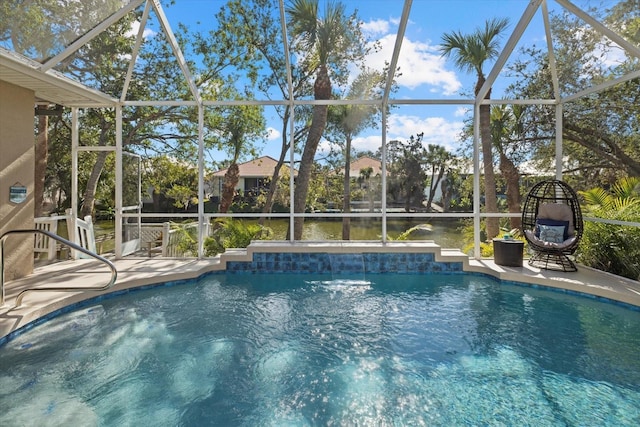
437	130
375	28
396	21
367	143
420	64
135	28
359	144
273	134
612	56
462	111
606	53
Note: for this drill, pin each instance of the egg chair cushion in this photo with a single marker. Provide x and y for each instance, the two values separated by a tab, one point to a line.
563	244
553	225
558	212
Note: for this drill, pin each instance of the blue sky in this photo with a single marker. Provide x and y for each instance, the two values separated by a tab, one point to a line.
425	74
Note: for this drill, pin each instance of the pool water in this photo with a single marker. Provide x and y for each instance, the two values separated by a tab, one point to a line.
307	350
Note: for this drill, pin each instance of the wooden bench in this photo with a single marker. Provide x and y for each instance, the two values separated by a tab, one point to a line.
42	243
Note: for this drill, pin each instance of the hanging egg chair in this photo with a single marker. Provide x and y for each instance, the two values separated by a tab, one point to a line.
552	225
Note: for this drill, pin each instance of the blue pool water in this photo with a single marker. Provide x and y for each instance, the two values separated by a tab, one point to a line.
306	350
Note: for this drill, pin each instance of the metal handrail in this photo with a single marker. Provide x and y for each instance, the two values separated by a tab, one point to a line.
112	281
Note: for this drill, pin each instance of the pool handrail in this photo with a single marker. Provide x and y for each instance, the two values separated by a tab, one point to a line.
112	281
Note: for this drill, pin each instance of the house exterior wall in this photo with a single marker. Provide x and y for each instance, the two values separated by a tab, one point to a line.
16	169
217	183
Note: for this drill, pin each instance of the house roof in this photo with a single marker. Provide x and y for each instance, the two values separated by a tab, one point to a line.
363	163
262	167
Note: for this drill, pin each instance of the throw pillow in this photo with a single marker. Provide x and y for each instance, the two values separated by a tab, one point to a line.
559	212
555	223
551	233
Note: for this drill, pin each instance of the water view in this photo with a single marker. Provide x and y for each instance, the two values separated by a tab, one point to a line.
446	233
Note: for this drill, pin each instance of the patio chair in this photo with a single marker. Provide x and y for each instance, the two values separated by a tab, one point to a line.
552	225
42	243
83	234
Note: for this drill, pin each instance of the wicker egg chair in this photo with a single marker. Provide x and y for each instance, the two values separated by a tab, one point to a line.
552	225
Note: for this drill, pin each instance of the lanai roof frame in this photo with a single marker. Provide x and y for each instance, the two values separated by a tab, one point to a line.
51	85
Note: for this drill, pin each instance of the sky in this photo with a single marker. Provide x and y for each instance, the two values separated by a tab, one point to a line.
425	73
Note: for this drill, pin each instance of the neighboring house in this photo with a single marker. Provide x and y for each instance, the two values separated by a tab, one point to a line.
254	174
364	163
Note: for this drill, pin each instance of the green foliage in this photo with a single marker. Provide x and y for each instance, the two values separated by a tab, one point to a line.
406	182
610	247
175	180
406	235
486	247
600	138
415	170
188	240
232	233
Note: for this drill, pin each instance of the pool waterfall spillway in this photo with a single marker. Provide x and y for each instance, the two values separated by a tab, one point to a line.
346	258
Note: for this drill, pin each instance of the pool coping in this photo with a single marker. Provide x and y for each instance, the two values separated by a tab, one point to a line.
138	272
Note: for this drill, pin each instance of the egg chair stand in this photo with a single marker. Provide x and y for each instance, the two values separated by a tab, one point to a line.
552	260
552	225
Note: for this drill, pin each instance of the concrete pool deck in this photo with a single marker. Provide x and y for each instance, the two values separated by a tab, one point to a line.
136	272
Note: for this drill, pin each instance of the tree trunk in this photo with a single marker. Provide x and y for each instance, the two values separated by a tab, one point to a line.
41	153
435	181
407	201
490	198
273	185
231	179
89	196
512	177
346	208
446	195
322	90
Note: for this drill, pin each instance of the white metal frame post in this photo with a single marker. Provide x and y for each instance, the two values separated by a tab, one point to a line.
476	181
201	227
559	127
75	142
119	182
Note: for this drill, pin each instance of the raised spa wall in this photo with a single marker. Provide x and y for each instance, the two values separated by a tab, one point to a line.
343	258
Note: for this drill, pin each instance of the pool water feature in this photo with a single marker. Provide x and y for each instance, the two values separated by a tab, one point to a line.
307	349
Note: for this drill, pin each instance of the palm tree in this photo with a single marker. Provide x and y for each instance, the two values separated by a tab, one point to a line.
346	122
318	37
469	52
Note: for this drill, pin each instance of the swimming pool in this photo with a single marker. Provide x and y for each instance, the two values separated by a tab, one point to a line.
306	349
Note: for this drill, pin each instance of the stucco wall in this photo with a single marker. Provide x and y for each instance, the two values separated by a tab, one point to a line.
16	167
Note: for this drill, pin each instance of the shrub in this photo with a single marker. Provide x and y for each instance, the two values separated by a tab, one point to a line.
232	233
610	247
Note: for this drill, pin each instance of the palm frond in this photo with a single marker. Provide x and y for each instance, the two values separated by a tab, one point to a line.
489	37
597	197
469	52
627	188
303	22
624	205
